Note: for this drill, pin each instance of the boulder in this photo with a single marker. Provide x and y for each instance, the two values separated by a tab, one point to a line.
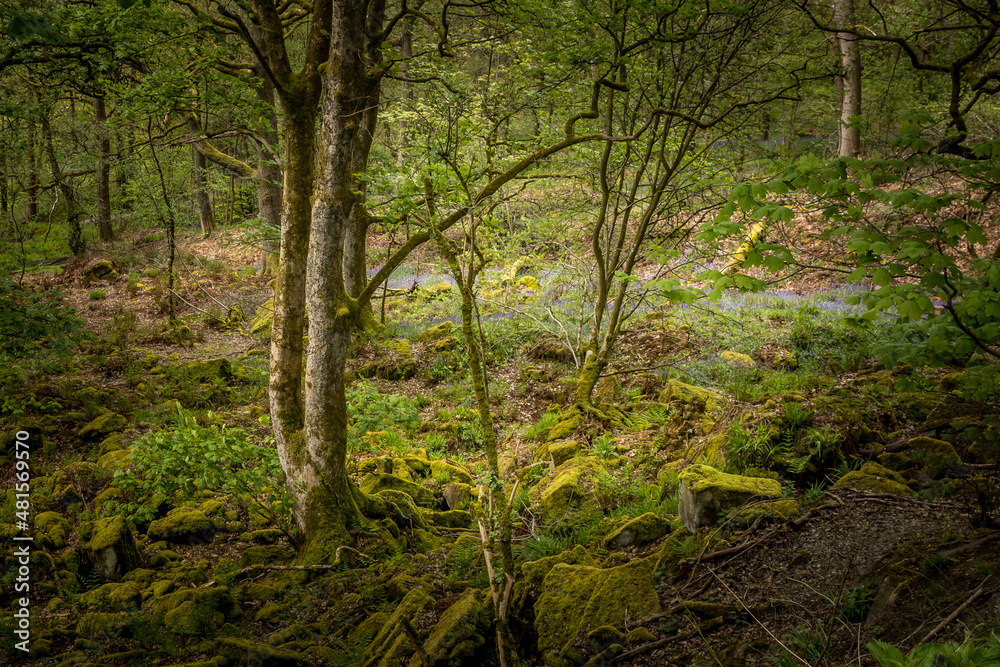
436	332
391	646
705	400
737	359
395	363
456	495
446	472
705	491
638	532
102	427
102	269
55	530
263	318
460	632
928	459
377	482
211	370
569	488
875	478
248	652
208	608
112	549
182	524
577	599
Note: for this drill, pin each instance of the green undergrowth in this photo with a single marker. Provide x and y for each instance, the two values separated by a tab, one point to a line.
179	463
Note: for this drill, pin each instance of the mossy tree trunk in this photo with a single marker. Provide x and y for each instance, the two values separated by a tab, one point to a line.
497	517
76	245
105	232
206	216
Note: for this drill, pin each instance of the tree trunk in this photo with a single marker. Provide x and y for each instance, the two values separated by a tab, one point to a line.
76	244
269	178
206	216
104	230
327	496
32	210
850	61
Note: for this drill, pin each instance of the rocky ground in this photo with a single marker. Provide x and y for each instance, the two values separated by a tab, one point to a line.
861	512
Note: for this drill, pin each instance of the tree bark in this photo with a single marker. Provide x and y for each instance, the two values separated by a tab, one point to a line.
850	62
105	232
76	244
32	209
321	462
206	216
269	178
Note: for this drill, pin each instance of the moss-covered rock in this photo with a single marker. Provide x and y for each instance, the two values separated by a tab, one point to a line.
267	555
577	599
557	452
436	332
928	459
54	527
263	318
114	597
202	604
876	478
182	524
391	646
565	428
459	634
110	444
534	572
638	532
456	495
377	482
778	510
705	400
569	488
210	370
103	426
118	459
705	491
249	652
446	472
737	359
111	549
102	623
453	519
395	362
101	269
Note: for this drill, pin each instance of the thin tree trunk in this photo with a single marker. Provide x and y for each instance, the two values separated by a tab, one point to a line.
269	178
206	216
104	230
76	244
850	61
32	210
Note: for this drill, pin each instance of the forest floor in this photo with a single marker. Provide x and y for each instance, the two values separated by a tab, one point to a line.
770	386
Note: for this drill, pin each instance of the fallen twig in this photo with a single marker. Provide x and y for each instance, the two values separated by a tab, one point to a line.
955	614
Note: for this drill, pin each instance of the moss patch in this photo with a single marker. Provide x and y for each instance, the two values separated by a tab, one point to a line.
877	479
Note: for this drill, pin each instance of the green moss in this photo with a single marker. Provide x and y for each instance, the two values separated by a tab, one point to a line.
446	472
99	623
877	479
218	370
391	645
112	548
436	332
248	652
570	487
204	602
181	524
262	319
737	359
377	482
103	426
577	599
705	491
115	597
782	510
267	555
704	399
115	460
638	532
460	631
564	428
54	526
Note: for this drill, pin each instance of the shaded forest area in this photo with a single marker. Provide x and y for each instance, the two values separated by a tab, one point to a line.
515	332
